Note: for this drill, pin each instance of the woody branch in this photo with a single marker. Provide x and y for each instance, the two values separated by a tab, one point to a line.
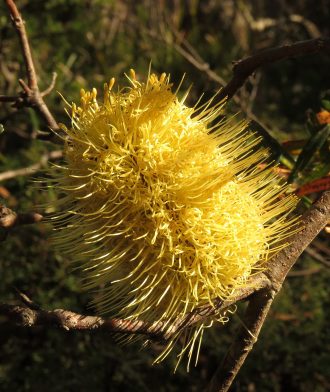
269	283
31	94
244	68
311	224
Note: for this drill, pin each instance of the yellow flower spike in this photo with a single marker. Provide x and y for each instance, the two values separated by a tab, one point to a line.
111	83
94	94
162	78
132	74
160	214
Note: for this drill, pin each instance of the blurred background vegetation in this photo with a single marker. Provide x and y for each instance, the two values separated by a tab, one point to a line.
87	42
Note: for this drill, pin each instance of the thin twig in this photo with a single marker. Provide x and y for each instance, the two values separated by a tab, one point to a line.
316	256
31	94
10	218
192	56
8	98
65	319
26	171
27	301
246	67
305	272
20	28
32	315
313	221
50	88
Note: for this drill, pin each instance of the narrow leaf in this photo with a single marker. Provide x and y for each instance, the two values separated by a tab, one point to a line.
319	185
309	151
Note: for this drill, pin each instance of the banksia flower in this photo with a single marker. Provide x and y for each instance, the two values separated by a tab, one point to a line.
163	211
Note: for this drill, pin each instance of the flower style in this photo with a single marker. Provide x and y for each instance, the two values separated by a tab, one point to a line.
162	210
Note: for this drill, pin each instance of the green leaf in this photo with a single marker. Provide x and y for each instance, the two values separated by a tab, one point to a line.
2	129
310	149
278	153
318	171
325	104
313	125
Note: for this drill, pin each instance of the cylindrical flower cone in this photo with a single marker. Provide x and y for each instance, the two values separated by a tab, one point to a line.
163	212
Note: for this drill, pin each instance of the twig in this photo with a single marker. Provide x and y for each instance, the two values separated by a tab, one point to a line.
312	252
20	28
190	54
247	336
320	246
27	317
265	23
305	272
9	218
246	67
50	88
262	281
269	283
311	223
8	98
27	301
26	171
32	315
31	95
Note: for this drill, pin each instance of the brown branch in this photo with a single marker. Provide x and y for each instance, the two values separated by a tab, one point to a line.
32	315
316	256
8	98
184	48
247	336
305	272
25	171
31	95
20	28
314	220
246	67
9	218
27	317
268	284
311	223
51	86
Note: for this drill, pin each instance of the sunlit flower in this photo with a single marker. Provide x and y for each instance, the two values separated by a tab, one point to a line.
323	117
163	211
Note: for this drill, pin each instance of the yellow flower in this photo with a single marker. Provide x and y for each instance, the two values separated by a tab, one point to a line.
163	212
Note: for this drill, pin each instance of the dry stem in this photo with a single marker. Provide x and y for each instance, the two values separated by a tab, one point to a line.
244	68
26	171
269	284
31	95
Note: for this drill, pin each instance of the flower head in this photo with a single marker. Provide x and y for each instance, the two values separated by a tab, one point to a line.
164	212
